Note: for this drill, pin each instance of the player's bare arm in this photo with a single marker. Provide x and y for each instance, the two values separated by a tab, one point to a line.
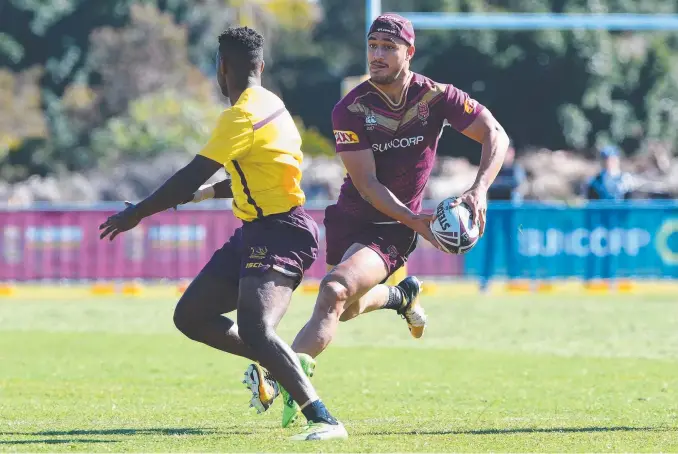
361	167
487	131
176	190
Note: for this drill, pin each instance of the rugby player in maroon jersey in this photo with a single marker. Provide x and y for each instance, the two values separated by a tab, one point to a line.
387	131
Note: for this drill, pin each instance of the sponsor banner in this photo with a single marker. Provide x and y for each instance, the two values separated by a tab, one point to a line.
637	240
527	241
65	244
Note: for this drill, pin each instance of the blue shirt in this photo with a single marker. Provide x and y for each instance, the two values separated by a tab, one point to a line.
605	186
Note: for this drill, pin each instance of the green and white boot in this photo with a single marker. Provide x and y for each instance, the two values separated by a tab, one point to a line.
290	407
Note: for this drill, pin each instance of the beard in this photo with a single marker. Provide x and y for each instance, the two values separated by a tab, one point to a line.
385	79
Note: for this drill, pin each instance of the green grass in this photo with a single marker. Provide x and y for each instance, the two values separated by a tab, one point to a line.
518	374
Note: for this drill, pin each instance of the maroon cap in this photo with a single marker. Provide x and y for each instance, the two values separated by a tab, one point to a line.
393	24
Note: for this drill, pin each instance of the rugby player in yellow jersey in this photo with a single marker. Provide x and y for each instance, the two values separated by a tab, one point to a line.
260	266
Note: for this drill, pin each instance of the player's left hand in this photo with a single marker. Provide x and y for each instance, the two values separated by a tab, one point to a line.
120	222
476	199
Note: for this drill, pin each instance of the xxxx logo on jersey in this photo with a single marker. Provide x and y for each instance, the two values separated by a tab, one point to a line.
344	137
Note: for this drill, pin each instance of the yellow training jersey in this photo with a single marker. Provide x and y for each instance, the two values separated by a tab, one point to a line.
259	145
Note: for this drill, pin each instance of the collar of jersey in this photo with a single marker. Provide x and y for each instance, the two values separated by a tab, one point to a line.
244	95
403	94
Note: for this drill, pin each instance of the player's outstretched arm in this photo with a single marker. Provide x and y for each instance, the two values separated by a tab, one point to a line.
362	169
486	130
177	189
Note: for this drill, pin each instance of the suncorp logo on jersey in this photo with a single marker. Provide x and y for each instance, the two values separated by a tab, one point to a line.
601	242
398	143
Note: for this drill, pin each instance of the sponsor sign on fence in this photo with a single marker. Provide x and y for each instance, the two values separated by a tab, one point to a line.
521	241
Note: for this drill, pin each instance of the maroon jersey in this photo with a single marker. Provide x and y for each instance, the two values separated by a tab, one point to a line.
403	137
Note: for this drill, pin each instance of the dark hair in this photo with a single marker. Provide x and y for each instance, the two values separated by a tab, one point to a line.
242	48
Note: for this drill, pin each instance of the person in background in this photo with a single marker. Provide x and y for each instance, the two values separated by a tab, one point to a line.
610	183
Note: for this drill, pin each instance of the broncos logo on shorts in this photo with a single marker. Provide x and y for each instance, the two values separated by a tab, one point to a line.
258	252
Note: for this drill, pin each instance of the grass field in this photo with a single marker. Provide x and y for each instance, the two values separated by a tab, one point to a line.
492	373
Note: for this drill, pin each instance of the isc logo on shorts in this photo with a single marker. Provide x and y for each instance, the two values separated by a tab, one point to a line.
254	265
344	137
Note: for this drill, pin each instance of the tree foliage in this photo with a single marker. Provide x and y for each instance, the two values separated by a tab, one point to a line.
555	89
153	124
87	80
20	92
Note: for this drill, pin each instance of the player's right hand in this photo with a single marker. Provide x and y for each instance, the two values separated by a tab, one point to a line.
120	222
421	223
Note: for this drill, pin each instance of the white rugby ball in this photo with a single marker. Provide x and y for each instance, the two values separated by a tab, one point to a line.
454	228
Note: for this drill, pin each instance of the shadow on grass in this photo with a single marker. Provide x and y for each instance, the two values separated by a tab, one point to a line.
55	441
528	430
131	431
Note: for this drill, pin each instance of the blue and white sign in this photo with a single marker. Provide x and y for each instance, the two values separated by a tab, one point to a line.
599	240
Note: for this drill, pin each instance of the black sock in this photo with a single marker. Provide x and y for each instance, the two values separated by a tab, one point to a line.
396	298
317	412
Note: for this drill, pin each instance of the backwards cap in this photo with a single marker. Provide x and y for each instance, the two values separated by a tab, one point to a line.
393	24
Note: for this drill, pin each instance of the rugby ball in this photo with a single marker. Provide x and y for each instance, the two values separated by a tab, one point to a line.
454	228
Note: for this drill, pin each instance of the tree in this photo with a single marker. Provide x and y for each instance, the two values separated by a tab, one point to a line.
22	124
558	89
153	98
160	122
21	117
148	55
313	143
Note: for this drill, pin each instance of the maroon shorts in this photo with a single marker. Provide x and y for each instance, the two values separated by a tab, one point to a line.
285	242
393	242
